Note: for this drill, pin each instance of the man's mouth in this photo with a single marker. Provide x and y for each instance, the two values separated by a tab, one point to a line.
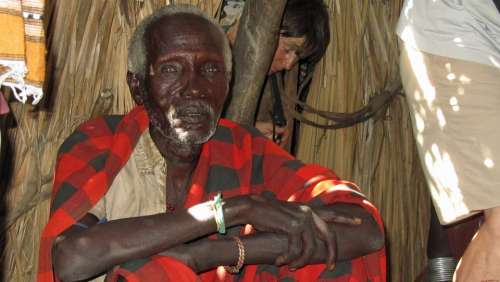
190	116
192	122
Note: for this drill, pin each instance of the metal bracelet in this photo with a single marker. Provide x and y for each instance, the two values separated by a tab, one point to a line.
441	269
241	257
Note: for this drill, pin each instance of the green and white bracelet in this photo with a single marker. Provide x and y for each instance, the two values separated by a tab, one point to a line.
219	214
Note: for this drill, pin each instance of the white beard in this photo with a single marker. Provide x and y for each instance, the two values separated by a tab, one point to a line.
185	136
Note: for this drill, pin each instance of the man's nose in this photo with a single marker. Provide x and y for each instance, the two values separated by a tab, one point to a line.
193	87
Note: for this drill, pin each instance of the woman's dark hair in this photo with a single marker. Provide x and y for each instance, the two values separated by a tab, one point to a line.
308	18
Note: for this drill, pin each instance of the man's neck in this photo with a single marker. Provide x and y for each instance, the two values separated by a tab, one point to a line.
181	162
182	154
181	159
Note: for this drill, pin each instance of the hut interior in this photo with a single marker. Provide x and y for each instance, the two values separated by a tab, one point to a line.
86	70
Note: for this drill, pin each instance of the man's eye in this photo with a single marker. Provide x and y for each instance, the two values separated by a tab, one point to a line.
211	68
168	68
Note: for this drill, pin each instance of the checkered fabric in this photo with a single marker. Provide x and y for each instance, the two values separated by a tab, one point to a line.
235	161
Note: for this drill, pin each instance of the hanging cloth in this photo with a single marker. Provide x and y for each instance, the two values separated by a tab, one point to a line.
22	48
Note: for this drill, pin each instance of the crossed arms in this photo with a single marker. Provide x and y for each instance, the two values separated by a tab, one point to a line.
287	233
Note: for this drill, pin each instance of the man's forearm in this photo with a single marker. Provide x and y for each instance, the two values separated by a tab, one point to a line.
261	248
79	255
265	248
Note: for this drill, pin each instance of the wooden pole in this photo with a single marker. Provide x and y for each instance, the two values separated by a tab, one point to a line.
253	51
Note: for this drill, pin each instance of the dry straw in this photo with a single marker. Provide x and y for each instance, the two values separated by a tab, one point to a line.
87	62
379	154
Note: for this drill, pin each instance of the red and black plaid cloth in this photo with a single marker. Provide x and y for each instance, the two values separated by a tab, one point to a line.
235	161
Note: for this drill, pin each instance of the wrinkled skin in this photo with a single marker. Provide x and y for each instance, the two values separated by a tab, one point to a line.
186	85
183	93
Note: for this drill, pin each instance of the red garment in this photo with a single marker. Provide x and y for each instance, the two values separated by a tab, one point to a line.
235	161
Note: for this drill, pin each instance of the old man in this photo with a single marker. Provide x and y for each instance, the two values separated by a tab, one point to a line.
142	197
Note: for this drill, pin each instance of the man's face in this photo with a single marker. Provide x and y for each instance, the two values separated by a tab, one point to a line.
186	80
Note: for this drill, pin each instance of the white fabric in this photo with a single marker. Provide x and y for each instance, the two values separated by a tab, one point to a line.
139	188
455	110
461	29
21	90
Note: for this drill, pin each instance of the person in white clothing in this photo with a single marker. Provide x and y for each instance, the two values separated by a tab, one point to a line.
450	69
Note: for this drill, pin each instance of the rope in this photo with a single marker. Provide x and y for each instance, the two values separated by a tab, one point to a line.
377	103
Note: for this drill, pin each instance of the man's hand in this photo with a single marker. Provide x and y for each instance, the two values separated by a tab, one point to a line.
300	223
266	247
332	216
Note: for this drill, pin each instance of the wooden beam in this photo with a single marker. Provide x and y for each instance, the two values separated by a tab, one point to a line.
252	52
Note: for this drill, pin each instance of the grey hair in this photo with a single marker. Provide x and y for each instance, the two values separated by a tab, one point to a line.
137	51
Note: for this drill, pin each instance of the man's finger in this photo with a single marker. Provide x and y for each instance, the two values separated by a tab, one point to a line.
308	249
329	238
332	252
294	248
329	215
350	220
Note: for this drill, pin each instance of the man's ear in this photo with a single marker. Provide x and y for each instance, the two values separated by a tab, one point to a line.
134	84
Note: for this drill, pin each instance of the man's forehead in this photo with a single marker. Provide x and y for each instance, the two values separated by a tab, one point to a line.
185	40
185	31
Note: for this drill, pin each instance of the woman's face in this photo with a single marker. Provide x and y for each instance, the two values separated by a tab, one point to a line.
287	53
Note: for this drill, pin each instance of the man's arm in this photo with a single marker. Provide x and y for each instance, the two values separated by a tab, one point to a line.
353	240
83	253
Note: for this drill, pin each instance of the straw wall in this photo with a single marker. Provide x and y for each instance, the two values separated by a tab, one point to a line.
379	154
87	51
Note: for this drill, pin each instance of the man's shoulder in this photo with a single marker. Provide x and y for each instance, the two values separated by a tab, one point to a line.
98	127
109	122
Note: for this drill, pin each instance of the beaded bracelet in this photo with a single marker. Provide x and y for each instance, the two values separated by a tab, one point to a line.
241	257
218	214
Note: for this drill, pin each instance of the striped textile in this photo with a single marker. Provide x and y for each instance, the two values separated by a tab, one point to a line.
235	161
22	48
4	106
